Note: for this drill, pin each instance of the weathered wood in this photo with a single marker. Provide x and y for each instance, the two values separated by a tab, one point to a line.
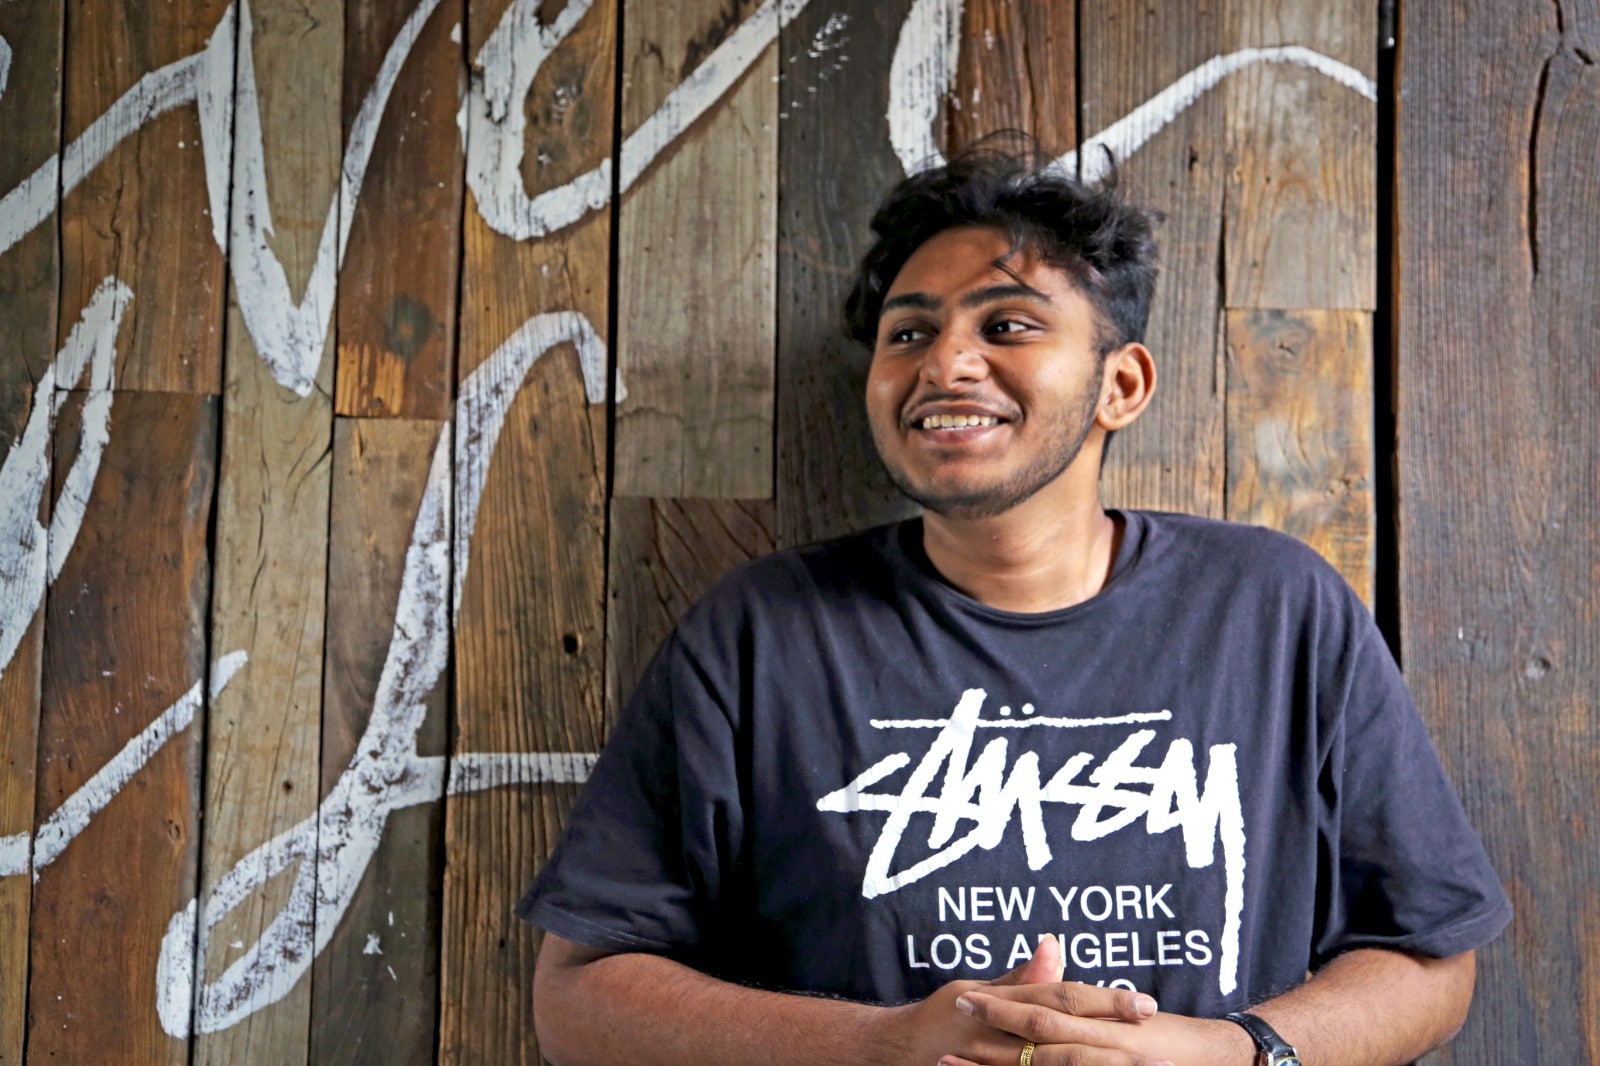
30	273
1301	196
375	987
398	282
1300	431
1173	457
528	643
1498	261
834	164
664	554
1016	71
695	288
272	520
143	215
124	642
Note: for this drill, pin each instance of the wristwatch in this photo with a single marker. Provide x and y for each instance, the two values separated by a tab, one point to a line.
1274	1049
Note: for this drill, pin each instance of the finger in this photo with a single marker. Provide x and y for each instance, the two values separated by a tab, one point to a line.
1066	1055
1071	997
1046	965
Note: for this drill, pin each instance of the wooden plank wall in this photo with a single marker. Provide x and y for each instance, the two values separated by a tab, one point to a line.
379	380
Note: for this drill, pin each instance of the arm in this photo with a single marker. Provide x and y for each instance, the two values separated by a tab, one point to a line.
1368	1007
591	1007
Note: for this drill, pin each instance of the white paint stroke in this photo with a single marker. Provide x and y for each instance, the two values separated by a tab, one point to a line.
31	557
5	64
331	850
473	771
921	73
493	126
90	798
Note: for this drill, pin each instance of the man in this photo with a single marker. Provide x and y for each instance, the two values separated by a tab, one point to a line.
875	798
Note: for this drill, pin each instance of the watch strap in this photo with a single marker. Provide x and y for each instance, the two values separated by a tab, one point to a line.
1274	1048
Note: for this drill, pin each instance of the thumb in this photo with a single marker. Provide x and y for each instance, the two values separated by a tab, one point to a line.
1046	965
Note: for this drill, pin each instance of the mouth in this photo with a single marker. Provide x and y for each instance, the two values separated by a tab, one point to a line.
943	422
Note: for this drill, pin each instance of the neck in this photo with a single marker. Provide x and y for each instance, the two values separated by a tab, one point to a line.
1030	559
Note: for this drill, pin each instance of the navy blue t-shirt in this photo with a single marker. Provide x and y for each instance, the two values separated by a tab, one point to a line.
841	775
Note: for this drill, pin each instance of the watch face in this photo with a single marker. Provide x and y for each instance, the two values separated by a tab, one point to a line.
1280	1058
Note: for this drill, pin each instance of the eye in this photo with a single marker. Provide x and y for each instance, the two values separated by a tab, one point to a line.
907	335
1005	327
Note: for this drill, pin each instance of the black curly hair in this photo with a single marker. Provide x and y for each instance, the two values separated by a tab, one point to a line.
1093	233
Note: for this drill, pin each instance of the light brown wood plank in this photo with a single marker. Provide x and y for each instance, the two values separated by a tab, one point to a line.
124	641
1498	261
664	555
528	642
263	731
835	165
375	987
30	272
1301	196
398	282
1016	72
696	288
1173	457
1300	449
143	215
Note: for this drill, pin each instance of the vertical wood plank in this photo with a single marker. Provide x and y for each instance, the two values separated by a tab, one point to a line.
1016	71
143	215
272	534
375	987
1300	431
30	115
528	644
1173	458
835	163
398	282
124	641
1498	259
664	555
695	299
1301	195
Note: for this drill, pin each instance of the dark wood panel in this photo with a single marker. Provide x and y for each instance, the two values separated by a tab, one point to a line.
1498	261
144	215
664	554
1017	71
124	642
263	731
375	987
30	115
1301	196
398	282
529	673
835	164
695	288
1300	431
1173	457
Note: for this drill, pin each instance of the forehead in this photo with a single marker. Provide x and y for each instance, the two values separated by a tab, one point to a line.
969	257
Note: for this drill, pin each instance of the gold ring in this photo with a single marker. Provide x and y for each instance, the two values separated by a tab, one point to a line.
1027	1054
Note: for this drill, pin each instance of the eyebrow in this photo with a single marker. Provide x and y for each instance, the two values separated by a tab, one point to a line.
974	299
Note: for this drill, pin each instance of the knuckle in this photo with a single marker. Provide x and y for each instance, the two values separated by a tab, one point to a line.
1070	997
1036	1021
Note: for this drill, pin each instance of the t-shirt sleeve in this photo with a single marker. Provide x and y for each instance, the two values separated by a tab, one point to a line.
650	839
1408	872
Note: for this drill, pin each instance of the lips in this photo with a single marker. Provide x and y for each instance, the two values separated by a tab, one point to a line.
954	416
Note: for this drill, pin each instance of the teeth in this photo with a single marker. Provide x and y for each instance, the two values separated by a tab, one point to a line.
957	421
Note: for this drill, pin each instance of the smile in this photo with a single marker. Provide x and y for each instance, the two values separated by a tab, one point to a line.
956	421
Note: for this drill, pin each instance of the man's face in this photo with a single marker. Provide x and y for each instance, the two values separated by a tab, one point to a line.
984	382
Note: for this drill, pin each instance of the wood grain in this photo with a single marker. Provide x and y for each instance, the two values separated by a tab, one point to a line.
695	286
1497	260
397	312
1016	71
143	215
375	987
1300	450
1173	457
30	273
263	731
664	555
124	640
1301	195
528	644
834	165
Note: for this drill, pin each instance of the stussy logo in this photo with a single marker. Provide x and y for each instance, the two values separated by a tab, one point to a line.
984	795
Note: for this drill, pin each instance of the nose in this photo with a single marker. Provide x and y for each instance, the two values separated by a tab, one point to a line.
951	361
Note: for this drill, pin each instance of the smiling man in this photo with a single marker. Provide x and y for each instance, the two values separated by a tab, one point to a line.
1023	781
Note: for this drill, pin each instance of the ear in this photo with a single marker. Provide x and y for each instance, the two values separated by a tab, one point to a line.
1127	384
